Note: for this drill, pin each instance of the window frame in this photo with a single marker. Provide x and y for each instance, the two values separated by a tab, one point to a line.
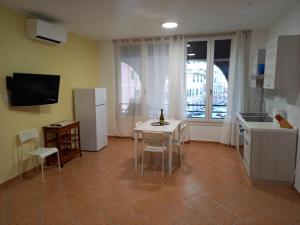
209	81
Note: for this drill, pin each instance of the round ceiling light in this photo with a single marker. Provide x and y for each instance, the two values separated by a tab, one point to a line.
169	25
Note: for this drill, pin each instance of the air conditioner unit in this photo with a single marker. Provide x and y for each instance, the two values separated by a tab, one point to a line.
46	32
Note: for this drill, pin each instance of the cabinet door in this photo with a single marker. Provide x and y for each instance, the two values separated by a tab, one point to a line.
270	66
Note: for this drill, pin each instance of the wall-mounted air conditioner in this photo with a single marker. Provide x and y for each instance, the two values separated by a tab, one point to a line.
46	32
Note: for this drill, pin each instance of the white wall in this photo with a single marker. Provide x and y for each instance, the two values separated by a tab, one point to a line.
106	64
205	132
290	99
258	41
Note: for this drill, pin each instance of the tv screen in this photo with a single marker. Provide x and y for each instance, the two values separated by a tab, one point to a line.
34	89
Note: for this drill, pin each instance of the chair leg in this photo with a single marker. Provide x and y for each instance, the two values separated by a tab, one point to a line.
180	154
21	166
143	163
163	164
58	162
33	162
42	165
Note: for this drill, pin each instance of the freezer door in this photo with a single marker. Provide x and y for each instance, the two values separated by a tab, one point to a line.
100	96
101	126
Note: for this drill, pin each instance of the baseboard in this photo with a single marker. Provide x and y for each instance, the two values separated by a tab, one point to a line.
297	189
120	137
15	178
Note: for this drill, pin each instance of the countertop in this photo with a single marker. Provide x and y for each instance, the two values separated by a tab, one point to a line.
264	126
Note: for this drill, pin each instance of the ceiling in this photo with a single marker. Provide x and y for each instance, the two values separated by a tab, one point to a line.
117	19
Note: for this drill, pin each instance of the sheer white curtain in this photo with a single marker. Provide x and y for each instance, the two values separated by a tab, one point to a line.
149	76
177	94
237	84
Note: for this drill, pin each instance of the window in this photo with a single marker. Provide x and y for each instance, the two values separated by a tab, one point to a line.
207	69
143	79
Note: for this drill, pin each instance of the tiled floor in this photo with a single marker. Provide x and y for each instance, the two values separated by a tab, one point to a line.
103	189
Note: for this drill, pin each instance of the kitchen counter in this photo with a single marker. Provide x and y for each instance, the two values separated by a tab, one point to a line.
267	151
264	126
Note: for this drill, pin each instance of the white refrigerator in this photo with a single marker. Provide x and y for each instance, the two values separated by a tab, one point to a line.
91	112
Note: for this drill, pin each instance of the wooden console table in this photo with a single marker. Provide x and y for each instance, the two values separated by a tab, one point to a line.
65	136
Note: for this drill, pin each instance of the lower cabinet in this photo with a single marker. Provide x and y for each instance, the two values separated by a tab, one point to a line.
270	155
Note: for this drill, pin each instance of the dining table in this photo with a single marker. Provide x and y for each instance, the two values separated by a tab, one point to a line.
148	126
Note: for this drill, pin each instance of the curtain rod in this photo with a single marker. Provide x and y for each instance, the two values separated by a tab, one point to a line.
216	34
148	38
185	35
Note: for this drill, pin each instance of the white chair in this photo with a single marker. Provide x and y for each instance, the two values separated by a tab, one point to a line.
137	124
139	135
187	135
180	141
154	142
31	137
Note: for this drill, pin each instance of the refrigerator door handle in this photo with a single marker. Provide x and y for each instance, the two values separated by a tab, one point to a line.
100	104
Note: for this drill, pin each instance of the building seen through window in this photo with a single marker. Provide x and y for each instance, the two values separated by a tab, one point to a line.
206	88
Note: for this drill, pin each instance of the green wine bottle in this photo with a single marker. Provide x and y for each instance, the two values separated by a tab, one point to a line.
161	118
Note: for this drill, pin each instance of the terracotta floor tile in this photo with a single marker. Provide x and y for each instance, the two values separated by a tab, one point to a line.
266	217
145	206
25	221
120	212
107	202
244	207
159	217
181	211
202	203
198	220
92	219
57	218
166	198
229	193
187	191
221	216
246	221
132	221
103	188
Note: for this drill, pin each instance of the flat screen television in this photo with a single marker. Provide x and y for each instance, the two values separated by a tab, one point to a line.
34	89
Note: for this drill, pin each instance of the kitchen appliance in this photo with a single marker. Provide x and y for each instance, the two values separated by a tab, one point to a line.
242	130
240	139
91	112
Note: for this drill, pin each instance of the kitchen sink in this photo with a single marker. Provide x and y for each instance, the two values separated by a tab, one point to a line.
254	114
258	118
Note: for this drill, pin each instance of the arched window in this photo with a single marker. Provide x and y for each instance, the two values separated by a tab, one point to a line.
131	89
219	101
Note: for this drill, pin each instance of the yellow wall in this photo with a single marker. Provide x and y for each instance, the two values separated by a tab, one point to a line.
76	62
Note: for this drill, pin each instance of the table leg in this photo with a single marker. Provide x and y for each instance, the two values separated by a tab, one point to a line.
136	135
170	153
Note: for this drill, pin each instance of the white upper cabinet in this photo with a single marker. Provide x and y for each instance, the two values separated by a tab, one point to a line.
282	69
